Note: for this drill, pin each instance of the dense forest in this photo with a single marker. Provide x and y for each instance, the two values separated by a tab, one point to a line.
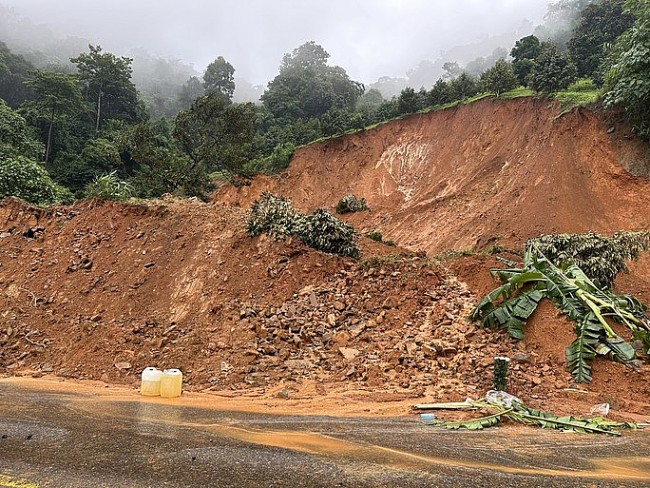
81	129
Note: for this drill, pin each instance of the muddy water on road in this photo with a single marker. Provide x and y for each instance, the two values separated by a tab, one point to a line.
355	447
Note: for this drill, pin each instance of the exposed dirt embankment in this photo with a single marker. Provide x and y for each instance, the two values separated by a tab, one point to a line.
100	290
465	177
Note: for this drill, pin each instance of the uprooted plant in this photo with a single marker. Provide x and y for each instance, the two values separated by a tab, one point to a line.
498	410
321	230
580	299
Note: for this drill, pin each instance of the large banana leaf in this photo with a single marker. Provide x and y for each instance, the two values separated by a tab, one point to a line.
547	420
513	313
580	299
472	424
518	412
583	349
620	350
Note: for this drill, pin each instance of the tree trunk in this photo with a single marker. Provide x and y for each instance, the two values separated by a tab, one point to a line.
99	110
49	139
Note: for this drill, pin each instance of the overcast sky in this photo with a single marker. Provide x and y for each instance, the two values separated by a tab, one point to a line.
369	38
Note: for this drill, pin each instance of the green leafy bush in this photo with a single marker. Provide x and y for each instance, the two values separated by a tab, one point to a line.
277	161
375	235
109	187
276	216
24	178
350	204
601	258
628	80
324	232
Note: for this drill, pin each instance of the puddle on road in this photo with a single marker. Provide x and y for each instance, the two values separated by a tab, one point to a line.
320	445
637	468
148	415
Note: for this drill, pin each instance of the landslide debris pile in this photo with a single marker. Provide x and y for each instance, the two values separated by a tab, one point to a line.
493	171
401	325
102	290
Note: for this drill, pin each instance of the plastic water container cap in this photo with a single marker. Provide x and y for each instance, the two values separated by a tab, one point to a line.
151	373
172	372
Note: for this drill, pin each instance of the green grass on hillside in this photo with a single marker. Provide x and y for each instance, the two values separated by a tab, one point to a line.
518	92
582	92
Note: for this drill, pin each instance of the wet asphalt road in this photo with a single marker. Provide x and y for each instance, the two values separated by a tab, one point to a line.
51	439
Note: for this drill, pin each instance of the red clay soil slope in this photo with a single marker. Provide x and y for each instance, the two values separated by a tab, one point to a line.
465	177
100	290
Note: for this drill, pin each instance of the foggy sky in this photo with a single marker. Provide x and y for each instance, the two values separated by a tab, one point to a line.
369	38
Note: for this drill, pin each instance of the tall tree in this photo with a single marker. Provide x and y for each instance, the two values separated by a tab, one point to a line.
600	23
451	70
57	96
524	54
16	136
464	86
410	101
219	77
499	78
628	83
14	71
440	93
307	87
190	91
552	71
215	134
107	85
560	20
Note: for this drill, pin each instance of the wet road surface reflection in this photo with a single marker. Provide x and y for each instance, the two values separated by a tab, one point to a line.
64	439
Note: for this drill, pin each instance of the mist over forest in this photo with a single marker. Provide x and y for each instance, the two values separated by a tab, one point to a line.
146	98
402	43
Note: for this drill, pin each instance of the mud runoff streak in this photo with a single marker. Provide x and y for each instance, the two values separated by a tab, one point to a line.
57	439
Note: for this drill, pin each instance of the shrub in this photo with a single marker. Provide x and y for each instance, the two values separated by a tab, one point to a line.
321	230
274	215
601	258
24	178
277	161
324	232
108	187
375	235
350	204
552	71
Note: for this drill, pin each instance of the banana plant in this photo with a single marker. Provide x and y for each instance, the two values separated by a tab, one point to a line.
518	412
580	299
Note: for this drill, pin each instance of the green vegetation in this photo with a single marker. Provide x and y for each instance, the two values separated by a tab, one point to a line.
86	120
275	216
601	258
109	187
324	232
599	25
628	81
510	408
375	235
350	204
26	179
518	92
552	71
581	299
500	78
578	94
